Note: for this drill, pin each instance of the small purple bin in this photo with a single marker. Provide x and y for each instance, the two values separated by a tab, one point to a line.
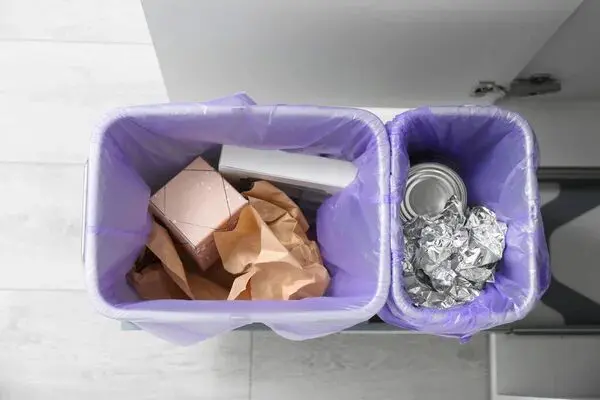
495	153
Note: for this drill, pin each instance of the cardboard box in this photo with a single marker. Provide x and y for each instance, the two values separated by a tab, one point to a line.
193	205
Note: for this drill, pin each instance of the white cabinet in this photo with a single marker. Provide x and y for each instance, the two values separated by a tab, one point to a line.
384	53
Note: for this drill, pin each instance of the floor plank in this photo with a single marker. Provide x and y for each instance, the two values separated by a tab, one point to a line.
53	94
55	344
74	20
353	366
40	226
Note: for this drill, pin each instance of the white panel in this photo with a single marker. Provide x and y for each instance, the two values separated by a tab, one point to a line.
572	55
361	53
55	343
568	131
546	366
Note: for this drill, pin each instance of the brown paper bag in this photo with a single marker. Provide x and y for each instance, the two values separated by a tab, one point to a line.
274	199
153	283
173	281
269	250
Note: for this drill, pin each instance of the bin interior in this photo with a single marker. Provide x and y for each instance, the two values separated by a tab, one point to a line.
495	154
139	149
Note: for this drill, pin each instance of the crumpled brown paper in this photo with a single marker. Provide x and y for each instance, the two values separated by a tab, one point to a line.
168	279
266	257
269	251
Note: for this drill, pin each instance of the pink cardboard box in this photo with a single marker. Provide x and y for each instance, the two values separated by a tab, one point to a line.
193	205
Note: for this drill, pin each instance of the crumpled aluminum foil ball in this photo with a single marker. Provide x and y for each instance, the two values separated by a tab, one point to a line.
449	257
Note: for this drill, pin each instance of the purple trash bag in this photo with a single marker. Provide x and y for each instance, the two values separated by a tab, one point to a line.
495	153
138	149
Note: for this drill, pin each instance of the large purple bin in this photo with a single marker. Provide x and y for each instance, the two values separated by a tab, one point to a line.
138	149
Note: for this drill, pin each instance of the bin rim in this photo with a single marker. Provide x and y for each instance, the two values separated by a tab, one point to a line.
397	304
124	313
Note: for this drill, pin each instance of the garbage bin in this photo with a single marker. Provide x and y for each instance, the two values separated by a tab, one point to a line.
138	149
495	153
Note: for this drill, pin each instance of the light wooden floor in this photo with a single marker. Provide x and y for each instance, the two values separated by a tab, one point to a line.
62	64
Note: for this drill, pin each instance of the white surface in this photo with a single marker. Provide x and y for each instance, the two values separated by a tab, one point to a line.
53	93
385	54
51	340
323	174
54	345
119	21
544	367
40	226
572	55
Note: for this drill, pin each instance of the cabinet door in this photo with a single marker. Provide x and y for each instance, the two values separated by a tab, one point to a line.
378	53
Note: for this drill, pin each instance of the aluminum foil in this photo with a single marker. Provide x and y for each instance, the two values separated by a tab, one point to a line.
450	256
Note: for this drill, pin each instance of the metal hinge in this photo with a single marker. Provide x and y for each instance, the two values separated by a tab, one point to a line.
534	85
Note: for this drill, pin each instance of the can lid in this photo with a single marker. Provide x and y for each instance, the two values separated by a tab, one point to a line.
429	186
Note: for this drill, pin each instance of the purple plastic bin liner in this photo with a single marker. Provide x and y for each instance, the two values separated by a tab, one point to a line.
138	149
495	152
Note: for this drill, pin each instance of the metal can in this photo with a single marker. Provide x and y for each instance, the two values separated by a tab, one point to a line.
428	187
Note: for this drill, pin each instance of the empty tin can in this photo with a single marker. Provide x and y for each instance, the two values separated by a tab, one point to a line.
428	187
